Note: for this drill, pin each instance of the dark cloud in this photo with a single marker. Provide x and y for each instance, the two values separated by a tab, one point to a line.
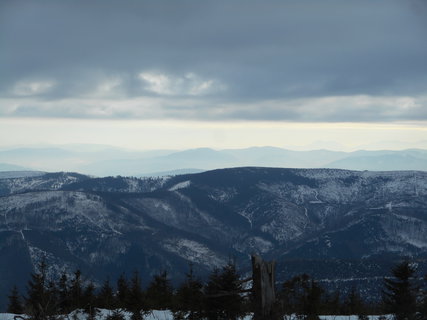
237	52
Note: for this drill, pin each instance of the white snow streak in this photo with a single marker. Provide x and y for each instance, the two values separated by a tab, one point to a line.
181	185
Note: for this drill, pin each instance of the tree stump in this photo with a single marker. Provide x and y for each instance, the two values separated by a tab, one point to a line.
263	276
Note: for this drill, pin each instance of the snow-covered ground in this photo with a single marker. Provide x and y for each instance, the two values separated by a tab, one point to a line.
167	315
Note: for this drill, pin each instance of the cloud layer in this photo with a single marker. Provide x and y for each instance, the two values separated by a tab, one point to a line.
219	60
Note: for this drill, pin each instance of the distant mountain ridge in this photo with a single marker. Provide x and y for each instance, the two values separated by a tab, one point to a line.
6	167
338	224
144	163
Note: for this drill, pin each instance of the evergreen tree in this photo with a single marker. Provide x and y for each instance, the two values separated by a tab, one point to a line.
289	296
302	295
159	292
15	304
135	302
52	292
213	294
89	300
189	298
399	295
63	294
312	300
122	292
223	299
39	304
76	291
105	297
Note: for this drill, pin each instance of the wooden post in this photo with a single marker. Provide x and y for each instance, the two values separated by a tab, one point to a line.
263	275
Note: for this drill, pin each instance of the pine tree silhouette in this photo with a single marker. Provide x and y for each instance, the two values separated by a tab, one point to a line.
39	301
15	303
159	292
89	300
105	297
76	291
223	299
302	295
135	303
122	292
63	294
189	298
399	295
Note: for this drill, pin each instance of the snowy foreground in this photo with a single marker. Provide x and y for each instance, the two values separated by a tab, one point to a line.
166	315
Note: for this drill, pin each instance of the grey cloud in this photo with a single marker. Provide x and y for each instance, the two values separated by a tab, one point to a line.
342	109
328	109
280	50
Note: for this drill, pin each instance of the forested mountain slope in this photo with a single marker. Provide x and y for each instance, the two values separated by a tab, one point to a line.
335	224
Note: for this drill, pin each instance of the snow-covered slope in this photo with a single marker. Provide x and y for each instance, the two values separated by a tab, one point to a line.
37	181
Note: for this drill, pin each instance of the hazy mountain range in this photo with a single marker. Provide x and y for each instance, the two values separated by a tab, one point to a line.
108	161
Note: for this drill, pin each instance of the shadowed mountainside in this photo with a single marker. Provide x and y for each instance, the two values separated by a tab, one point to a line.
338	224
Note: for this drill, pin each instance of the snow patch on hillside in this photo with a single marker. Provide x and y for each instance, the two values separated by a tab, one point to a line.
55	266
194	252
222	195
159	210
181	185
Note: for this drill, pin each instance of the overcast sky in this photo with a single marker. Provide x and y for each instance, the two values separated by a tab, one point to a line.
189	73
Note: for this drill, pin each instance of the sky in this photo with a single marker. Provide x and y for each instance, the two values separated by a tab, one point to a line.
221	74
